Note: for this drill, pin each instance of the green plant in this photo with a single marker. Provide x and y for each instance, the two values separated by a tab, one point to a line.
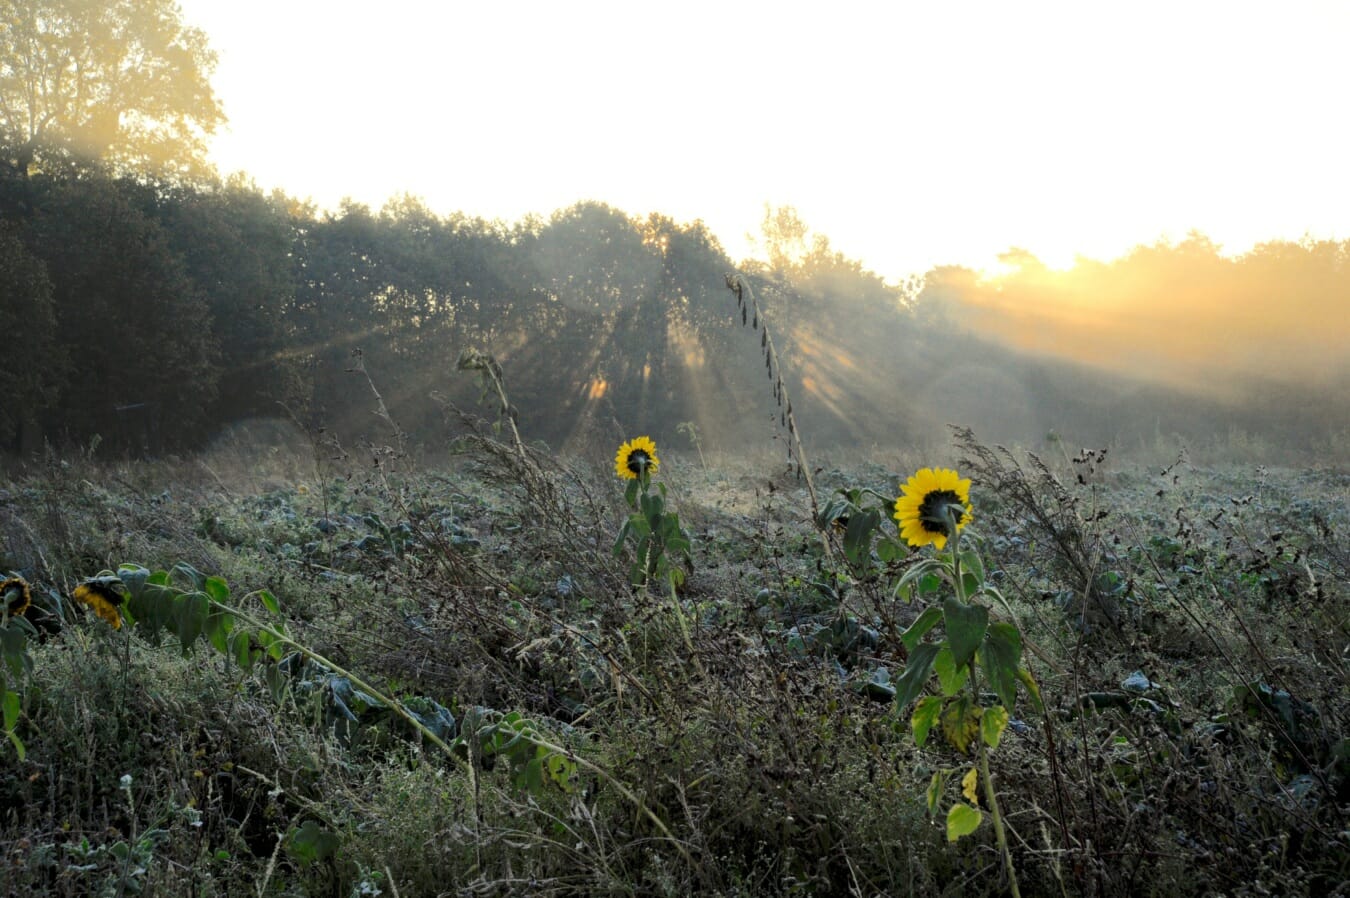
690	430
934	508
653	529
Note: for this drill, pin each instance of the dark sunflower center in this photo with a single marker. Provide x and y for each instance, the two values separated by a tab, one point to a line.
935	508
638	461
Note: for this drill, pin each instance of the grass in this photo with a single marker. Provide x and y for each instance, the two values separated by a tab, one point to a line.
1187	625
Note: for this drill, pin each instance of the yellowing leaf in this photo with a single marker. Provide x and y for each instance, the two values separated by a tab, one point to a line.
962	820
961	723
992	724
968	784
925	715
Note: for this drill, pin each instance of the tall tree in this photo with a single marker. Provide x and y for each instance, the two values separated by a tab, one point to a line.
123	81
31	368
138	330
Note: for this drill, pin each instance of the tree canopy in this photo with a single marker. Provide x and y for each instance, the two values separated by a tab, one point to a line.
121	81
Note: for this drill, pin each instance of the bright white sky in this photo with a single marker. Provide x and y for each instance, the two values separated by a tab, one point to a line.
911	134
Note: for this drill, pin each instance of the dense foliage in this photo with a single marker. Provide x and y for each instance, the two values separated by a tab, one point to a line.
130	302
337	677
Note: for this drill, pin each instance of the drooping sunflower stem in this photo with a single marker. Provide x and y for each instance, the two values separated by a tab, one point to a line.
491	373
745	299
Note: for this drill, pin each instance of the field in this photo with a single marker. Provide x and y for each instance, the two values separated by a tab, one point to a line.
371	674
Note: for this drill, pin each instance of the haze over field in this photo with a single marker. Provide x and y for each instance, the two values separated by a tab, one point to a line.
1008	139
1118	225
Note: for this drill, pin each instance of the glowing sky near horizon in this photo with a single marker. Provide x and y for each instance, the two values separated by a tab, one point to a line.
911	135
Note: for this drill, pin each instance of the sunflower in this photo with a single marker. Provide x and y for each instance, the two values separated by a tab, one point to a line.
15	596
101	597
928	502
636	457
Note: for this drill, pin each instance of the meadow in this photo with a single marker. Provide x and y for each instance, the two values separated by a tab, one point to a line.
364	671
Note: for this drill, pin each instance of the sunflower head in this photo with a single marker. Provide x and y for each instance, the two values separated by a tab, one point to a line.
930	503
15	596
637	458
105	601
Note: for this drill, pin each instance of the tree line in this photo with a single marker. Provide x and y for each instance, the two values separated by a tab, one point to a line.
145	303
152	313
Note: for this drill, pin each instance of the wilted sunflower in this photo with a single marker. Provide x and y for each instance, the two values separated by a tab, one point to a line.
926	502
101	597
15	595
634	457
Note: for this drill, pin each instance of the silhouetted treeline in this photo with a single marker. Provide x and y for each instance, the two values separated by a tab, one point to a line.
149	316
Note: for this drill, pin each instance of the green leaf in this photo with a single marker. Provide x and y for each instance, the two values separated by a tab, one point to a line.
966	625
890	549
950	677
217	589
918	571
270	602
311	843
218	627
972	565
240	649
190	619
922	624
930	582
195	579
962	820
992	723
911	681
925	715
11	706
1002	657
134	576
531	777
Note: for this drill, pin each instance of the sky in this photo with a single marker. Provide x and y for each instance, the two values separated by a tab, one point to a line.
910	134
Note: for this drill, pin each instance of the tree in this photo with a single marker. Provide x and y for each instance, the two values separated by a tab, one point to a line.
123	81
31	366
143	357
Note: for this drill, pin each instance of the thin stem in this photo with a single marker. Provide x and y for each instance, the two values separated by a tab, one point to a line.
992	797
982	753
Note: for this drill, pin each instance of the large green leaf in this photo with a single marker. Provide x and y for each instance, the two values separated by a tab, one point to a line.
925	622
950	677
1002	657
911	681
966	625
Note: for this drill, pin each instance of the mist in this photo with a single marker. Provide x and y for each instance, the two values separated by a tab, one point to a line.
608	325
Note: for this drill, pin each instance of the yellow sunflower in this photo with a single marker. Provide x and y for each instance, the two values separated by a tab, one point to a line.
103	599
925	503
634	457
15	596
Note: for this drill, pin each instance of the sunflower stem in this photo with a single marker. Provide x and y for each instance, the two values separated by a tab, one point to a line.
991	796
684	625
981	752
